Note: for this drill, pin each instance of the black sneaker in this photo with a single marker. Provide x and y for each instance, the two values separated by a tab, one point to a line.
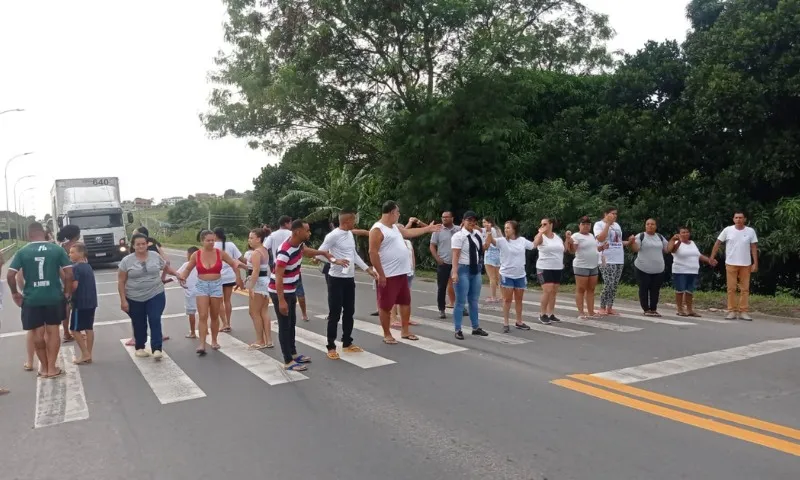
459	335
465	314
544	319
553	318
506	329
442	314
521	326
480	332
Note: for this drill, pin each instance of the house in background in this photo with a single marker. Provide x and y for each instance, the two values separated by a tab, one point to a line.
141	203
170	201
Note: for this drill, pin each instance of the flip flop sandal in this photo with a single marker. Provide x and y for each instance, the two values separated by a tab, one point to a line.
130	343
411	337
255	346
353	349
693	314
77	361
215	346
164	338
4	391
333	355
389	341
302	359
413	322
269	345
681	314
27	367
190	335
200	351
60	373
296	367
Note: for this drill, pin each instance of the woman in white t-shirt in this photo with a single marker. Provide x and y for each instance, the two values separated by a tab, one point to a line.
609	236
686	258
513	279
549	268
491	258
228	277
585	266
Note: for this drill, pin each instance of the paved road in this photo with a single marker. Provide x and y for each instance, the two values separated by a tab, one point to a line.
501	407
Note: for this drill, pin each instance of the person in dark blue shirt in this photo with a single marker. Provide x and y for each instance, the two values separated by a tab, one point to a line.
84	303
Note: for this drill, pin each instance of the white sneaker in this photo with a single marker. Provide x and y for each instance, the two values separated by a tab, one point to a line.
142	353
730	316
745	316
157	354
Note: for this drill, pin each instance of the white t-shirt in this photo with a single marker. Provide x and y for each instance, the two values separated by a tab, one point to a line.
393	251
586	254
737	245
551	253
686	259
342	245
410	248
614	255
191	281
461	241
276	239
512	256
228	275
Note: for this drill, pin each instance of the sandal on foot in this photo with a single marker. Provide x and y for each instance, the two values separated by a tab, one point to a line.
58	374
411	336
413	322
693	314
302	359
190	335
215	346
296	367
27	367
200	351
353	349
390	341
4	391
80	361
333	355
256	346
131	343
269	345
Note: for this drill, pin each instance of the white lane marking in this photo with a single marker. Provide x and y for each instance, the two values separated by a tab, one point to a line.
167	380
113	322
663	320
318	342
614	327
262	366
117	293
60	400
675	366
560	302
564	332
448	327
428	344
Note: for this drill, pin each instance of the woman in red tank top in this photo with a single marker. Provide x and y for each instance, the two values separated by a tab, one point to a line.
208	262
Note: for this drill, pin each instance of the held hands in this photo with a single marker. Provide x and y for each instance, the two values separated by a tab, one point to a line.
432	227
314	261
714	262
675	238
381	280
372	273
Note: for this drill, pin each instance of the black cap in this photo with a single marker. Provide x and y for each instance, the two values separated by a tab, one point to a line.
470	214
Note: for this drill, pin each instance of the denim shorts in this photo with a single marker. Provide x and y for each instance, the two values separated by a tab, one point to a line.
520	283
684	282
299	292
492	257
209	288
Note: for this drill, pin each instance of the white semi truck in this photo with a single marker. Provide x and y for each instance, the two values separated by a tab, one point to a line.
93	204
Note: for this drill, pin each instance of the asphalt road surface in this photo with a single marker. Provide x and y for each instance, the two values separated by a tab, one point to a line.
618	398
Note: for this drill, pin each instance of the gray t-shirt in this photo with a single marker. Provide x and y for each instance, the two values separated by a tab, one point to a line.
442	240
144	277
650	258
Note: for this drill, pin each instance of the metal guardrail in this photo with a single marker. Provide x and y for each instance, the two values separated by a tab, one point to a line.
7	249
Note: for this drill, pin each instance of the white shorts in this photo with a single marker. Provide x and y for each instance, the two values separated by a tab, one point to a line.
261	286
190	304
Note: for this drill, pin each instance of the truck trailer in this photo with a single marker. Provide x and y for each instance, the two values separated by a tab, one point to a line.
93	204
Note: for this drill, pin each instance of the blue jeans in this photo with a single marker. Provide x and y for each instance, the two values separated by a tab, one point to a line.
144	313
468	291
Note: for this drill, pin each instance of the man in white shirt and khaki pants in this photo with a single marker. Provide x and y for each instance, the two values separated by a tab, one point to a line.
741	259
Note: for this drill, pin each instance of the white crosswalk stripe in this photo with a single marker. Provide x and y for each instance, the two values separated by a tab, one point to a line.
262	366
62	399
448	327
614	327
560	302
424	343
563	332
318	342
168	381
663	320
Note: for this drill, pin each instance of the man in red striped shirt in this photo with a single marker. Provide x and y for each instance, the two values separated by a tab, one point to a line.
282	288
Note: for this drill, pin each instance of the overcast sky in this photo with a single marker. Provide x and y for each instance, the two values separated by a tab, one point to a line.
114	88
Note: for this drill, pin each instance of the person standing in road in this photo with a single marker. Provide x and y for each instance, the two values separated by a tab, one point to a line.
441	250
84	303
491	258
609	235
585	266
153	245
389	257
273	243
141	294
467	245
513	278
686	258
549	268
741	259
68	236
341	282
257	283
44	298
650	248
283	287
229	276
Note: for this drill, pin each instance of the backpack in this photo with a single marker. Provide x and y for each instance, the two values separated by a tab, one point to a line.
641	237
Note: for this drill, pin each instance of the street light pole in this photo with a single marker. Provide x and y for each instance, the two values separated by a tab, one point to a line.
13	110
15	200
21	194
8	221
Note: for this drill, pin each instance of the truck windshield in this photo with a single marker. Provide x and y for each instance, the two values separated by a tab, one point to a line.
97	221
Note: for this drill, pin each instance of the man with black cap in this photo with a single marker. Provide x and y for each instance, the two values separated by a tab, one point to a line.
466	245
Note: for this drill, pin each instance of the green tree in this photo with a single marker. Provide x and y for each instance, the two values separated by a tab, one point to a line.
184	212
343	189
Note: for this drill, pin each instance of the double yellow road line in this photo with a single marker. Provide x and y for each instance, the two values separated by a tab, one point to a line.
710	420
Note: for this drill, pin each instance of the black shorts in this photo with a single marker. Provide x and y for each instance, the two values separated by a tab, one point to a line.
548	276
81	319
34	317
231	285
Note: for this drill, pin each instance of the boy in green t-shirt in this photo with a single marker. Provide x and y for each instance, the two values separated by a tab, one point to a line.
44	297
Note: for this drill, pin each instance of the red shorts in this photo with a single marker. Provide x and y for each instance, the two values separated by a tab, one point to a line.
396	292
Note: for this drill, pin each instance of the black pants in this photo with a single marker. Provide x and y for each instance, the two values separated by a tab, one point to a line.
649	289
341	303
443	272
286	325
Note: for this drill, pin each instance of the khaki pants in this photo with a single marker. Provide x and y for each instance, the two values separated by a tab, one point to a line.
738	276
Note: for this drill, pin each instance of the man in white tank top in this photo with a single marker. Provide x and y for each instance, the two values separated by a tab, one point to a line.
389	257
